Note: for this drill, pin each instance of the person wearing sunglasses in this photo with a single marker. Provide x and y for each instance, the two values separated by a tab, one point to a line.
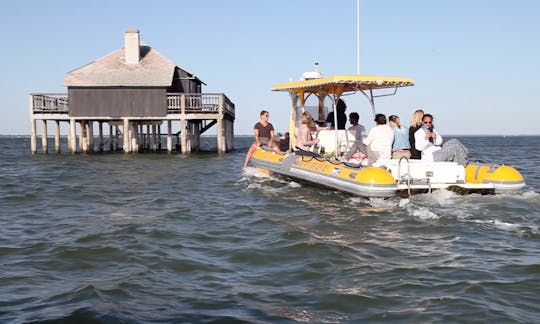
264	136
429	142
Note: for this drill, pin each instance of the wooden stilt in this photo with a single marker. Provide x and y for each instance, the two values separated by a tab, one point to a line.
100	131
126	138
219	134
111	138
134	137
153	144
84	137
159	137
90	135
33	140
72	136
57	136
169	136
44	149
183	136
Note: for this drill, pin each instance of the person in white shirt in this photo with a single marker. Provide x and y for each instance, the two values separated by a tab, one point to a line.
379	140
360	133
429	142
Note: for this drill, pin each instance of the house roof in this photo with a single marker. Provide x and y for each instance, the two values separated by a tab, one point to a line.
154	70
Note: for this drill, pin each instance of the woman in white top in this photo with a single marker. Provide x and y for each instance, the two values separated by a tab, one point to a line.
379	140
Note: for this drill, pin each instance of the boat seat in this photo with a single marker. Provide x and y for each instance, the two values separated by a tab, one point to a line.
327	140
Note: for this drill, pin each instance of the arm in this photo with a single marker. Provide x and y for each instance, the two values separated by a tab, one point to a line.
271	142
257	137
420	141
367	140
438	139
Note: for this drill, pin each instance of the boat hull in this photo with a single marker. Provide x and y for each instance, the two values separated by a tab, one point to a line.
388	178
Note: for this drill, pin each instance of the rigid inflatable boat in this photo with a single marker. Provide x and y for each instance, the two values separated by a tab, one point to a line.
386	177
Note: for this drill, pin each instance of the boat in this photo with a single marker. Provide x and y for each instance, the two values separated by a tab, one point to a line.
384	178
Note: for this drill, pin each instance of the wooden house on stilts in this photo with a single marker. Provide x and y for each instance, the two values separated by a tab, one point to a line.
135	91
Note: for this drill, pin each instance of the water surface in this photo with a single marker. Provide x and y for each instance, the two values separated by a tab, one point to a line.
172	238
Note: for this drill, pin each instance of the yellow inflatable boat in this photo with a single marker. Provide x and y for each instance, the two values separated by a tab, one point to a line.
385	178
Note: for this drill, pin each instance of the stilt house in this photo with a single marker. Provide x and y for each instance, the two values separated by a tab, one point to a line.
134	90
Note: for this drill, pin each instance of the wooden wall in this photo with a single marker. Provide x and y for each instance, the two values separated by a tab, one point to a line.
117	102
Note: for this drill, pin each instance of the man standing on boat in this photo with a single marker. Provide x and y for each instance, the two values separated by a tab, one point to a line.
264	136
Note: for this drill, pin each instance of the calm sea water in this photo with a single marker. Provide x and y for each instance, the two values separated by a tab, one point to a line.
172	238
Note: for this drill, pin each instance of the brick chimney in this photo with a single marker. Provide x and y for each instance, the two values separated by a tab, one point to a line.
131	46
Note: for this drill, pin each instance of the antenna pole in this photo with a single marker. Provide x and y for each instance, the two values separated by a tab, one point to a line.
357	36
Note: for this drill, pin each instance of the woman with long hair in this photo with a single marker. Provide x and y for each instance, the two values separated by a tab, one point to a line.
416	123
401	146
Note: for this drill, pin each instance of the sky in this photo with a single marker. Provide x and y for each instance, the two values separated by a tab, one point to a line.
474	62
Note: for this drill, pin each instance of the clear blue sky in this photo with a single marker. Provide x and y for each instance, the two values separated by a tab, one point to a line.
475	63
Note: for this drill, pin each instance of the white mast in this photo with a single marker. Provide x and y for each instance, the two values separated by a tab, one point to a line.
357	36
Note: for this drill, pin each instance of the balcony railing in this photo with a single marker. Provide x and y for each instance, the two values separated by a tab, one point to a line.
177	103
198	103
56	103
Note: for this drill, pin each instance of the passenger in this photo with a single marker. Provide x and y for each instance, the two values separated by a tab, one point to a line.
264	136
416	123
379	140
401	146
341	116
428	141
304	141
360	133
284	143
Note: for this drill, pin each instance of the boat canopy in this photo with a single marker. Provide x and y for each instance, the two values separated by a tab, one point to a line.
340	84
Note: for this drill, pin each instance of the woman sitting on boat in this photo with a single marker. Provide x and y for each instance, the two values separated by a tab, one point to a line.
429	142
416	123
304	141
401	146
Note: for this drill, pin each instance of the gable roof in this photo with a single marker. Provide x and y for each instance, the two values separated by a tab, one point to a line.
153	70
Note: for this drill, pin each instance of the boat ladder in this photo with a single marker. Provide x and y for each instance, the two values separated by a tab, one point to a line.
407	178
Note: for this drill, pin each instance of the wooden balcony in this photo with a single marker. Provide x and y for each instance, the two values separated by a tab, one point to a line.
177	103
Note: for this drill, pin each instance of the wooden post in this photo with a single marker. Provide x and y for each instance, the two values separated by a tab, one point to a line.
57	136
153	145
169	136
33	140
84	137
90	135
100	131
72	140
126	138
134	137
44	149
195	131
220	131
229	134
219	135
159	137
183	136
111	138
116	137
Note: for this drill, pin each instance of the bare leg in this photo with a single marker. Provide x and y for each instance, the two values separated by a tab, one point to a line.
249	153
